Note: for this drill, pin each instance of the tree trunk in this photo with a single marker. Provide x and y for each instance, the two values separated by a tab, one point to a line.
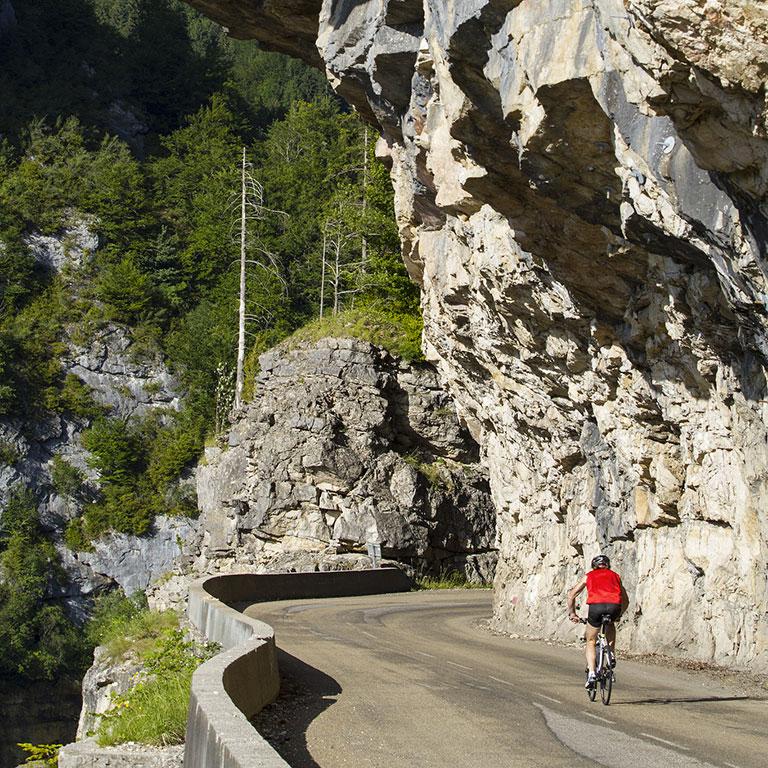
240	376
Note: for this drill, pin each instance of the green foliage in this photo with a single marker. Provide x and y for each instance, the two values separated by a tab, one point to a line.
154	710
139	463
75	397
400	334
47	754
38	640
161	204
9	454
126	291
30	346
115	447
126	625
67	479
433	471
450	579
75	536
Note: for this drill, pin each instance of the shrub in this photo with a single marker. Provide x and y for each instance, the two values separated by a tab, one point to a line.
449	579
75	538
126	291
39	642
124	624
9	454
75	397
47	754
67	479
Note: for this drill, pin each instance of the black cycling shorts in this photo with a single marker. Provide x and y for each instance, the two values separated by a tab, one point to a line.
598	610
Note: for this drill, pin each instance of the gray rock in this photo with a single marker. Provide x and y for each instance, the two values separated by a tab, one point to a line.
582	192
133	562
344	445
73	247
105	679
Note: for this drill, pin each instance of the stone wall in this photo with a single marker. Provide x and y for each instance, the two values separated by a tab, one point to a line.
581	192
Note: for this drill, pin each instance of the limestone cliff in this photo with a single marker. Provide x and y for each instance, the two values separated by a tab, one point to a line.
581	192
344	445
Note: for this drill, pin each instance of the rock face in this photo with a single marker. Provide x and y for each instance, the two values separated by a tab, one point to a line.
105	679
129	383
128	386
582	193
344	446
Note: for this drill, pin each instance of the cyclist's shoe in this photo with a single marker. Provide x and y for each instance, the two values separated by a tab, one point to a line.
591	680
613	662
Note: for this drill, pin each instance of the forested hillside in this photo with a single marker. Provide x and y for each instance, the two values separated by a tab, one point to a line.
127	119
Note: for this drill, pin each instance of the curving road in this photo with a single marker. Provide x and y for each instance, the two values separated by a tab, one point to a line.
413	681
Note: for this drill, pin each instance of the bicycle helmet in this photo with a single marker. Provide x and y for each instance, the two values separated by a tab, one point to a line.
601	561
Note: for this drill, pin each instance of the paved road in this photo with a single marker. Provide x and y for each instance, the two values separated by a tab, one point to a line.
412	681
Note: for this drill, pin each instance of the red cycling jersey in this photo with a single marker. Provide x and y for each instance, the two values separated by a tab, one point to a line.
603	586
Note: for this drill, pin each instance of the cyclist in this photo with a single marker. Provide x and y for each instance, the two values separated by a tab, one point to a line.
605	595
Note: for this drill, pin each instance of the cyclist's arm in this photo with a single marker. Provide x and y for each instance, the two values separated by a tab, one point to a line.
572	595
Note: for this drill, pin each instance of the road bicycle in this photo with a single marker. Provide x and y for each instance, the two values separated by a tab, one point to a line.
604	664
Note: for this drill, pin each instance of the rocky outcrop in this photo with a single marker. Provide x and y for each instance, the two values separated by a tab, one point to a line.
128	385
345	446
581	191
72	248
105	679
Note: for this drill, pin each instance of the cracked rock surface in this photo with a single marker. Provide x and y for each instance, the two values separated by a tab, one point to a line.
343	445
581	190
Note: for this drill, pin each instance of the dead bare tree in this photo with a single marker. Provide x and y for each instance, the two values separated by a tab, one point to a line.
253	252
343	264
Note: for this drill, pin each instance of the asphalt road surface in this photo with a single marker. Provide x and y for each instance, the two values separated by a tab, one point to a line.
414	681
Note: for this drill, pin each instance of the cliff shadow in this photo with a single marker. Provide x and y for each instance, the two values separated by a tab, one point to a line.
305	692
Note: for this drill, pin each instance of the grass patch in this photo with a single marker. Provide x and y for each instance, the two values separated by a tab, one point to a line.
126	625
435	472
449	580
154	710
400	334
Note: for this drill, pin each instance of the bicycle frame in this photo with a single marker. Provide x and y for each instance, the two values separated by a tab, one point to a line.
604	676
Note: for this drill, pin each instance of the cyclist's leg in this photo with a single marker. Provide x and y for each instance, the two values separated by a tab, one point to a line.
591	634
610	634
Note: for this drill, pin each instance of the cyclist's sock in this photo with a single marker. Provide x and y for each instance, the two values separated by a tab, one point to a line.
591	679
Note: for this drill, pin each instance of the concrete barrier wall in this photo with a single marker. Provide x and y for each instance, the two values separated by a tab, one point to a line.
233	686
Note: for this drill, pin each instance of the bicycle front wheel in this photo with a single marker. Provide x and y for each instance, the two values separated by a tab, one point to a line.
592	692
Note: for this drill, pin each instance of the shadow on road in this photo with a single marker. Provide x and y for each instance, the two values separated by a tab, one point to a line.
305	692
690	700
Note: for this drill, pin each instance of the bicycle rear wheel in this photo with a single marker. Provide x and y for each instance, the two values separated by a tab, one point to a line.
606	685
